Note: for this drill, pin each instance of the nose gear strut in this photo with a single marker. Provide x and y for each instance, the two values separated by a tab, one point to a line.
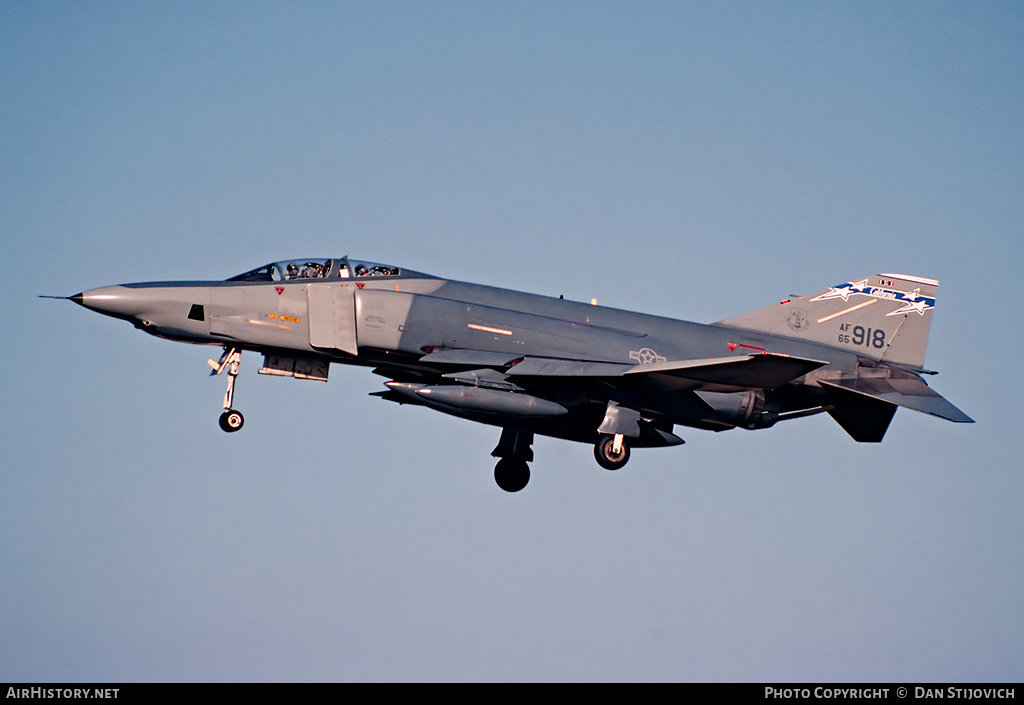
231	420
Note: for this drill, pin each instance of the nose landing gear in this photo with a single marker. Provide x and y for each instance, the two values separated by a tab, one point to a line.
231	420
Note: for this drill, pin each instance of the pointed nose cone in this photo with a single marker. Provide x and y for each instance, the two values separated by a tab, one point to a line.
116	301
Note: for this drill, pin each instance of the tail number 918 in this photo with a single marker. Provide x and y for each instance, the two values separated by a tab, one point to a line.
859	335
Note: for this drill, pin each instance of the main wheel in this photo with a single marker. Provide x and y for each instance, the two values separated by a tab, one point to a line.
231	420
511	474
604	451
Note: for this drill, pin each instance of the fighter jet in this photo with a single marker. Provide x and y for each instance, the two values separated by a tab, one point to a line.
532	364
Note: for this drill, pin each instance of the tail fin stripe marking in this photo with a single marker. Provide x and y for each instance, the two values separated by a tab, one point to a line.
912	300
848	310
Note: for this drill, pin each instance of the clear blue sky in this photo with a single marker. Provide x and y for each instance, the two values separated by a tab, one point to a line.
695	160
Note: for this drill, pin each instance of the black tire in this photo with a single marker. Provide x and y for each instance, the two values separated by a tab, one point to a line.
606	456
231	420
511	474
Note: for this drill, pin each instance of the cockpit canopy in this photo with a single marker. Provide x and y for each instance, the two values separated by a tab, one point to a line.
316	269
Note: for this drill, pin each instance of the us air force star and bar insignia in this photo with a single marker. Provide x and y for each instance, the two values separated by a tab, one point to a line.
913	301
646	356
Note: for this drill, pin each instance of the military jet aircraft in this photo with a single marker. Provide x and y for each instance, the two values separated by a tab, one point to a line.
533	364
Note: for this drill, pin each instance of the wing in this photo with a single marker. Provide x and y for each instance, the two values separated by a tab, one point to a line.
734	373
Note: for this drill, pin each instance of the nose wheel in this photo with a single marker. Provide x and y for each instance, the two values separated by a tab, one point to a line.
231	420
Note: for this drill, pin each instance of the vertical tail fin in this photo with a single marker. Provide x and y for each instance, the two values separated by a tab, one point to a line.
885	317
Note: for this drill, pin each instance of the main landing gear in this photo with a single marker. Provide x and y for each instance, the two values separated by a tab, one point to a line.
611	452
231	420
512	472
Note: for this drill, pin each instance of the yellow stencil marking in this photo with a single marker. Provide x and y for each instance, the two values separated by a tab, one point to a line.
293	319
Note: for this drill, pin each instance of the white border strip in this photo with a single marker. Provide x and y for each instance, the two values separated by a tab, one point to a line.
916	280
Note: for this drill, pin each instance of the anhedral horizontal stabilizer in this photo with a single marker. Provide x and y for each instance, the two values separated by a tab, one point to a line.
910	392
864	406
